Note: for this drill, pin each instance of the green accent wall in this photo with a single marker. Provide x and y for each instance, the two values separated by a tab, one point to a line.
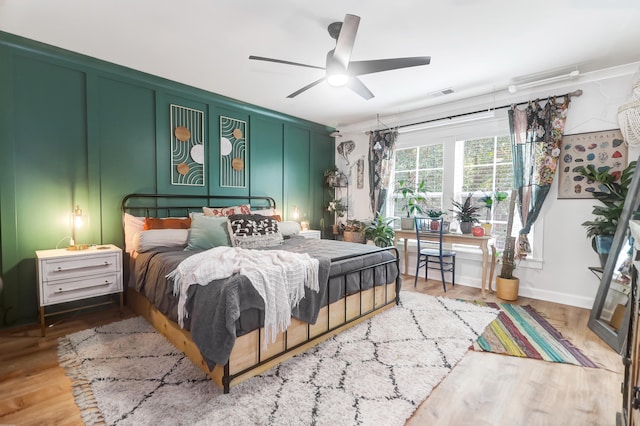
76	130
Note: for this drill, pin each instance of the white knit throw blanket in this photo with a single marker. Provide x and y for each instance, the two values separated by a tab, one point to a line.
278	276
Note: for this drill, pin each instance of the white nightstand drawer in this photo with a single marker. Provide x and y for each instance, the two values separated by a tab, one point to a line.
81	288
64	268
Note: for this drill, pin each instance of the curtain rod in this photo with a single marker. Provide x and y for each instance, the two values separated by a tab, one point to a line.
575	93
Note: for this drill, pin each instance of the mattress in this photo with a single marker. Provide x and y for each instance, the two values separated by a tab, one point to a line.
225	309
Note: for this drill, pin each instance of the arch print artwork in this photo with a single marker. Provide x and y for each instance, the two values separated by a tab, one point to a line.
233	150
187	146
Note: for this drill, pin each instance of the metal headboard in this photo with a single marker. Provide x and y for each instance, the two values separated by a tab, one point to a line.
165	205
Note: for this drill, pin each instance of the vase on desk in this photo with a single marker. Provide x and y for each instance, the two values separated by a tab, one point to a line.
466	227
406	223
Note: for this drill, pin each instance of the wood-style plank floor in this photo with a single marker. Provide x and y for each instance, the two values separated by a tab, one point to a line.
483	389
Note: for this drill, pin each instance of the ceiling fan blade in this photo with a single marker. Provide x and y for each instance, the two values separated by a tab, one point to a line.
307	87
280	61
346	39
358	86
379	65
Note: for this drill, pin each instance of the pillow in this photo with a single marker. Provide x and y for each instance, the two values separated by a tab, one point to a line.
227	211
153	238
268	212
167	223
132	226
253	231
264	212
208	232
289	228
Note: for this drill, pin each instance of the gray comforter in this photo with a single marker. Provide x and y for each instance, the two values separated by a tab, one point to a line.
231	307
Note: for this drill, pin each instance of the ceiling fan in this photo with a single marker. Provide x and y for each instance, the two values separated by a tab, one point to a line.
340	70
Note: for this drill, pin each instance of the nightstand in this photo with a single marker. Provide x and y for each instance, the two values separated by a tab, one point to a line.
66	276
311	234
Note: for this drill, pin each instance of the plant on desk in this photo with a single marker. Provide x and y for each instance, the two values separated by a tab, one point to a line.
466	214
435	215
491	200
412	198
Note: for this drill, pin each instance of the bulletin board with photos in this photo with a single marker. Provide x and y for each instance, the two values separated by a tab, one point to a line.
604	150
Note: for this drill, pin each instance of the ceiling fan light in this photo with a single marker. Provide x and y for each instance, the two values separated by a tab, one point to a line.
337	80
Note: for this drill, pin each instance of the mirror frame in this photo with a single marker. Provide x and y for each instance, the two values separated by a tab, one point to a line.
615	338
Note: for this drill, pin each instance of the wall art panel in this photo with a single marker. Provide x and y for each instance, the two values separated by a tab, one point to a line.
187	146
233	150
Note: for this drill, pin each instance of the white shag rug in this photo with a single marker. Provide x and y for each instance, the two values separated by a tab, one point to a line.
376	373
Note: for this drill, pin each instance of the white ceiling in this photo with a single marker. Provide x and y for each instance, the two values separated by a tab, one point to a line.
476	46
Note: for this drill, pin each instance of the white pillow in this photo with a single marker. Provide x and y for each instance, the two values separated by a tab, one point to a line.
264	212
289	228
132	226
153	238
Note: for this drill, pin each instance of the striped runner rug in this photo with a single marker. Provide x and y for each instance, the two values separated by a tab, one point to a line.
522	331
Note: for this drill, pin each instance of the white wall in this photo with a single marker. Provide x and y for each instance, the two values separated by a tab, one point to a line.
561	275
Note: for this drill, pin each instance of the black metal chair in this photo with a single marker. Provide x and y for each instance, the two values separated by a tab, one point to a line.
431	254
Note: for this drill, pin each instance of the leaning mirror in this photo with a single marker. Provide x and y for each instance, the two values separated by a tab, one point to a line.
611	311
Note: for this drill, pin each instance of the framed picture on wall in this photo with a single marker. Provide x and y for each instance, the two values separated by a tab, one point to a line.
604	149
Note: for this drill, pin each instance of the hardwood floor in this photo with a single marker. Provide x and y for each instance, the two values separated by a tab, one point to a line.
491	389
483	389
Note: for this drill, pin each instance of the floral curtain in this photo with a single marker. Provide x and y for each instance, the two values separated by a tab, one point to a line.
382	148
536	135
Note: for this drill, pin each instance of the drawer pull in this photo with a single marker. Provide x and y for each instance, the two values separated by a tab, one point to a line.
61	269
62	290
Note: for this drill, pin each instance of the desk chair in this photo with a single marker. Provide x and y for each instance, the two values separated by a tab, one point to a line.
431	255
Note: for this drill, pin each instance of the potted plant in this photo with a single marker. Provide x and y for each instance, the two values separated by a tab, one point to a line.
465	214
352	232
380	231
489	201
338	209
614	188
412	197
507	285
436	214
332	175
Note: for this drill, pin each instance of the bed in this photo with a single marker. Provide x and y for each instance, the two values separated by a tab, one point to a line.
224	332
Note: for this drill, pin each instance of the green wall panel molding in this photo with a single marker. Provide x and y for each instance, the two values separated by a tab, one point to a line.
76	130
322	155
267	161
297	162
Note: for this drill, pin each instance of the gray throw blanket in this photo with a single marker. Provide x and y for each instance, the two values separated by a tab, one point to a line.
278	276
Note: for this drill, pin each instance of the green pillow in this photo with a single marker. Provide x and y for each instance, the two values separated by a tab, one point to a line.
208	232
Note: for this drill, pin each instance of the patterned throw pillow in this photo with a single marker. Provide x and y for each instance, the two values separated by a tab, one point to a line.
227	211
167	223
253	231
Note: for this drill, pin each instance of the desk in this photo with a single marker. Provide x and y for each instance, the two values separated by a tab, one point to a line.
454	238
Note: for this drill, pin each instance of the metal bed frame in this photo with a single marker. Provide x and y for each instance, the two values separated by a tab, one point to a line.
134	203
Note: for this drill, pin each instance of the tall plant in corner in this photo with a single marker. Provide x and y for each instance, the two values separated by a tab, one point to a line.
613	192
507	285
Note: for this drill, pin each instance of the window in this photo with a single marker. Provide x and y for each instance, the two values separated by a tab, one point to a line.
480	167
415	165
486	168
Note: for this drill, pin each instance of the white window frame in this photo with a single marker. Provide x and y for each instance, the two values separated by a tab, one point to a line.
449	136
